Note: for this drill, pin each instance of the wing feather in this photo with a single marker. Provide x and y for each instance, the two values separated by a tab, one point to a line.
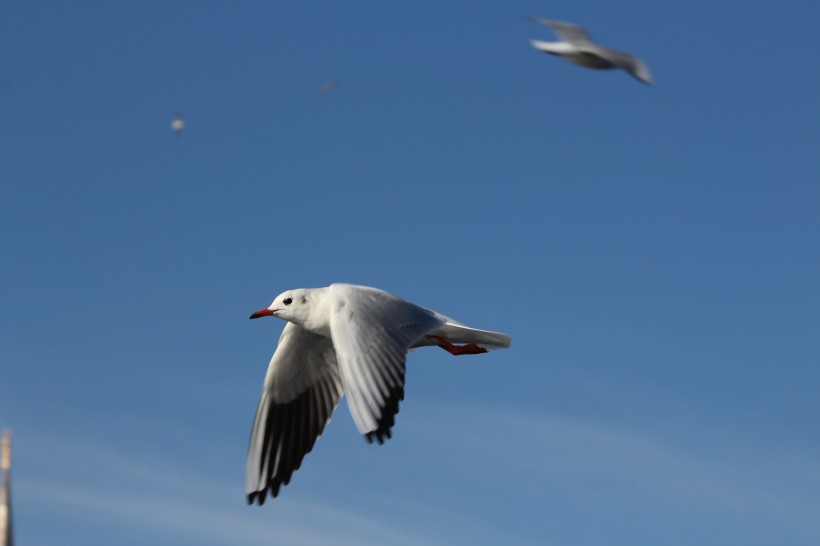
302	388
372	331
572	34
631	64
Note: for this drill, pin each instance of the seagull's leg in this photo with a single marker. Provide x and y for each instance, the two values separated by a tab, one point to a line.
469	349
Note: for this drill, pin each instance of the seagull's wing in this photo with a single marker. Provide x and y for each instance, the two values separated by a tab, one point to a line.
302	388
372	331
568	32
627	62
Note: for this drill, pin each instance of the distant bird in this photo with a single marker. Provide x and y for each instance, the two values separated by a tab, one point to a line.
341	339
178	124
577	47
327	87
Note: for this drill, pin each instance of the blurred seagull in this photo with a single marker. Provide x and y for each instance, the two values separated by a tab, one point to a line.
341	339
577	47
178	124
327	87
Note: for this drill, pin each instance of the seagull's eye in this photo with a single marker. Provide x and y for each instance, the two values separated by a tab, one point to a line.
287	301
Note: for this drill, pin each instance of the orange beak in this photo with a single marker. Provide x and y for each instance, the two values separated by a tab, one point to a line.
262	313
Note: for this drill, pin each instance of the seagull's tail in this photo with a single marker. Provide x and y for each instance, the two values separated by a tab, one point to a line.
457	333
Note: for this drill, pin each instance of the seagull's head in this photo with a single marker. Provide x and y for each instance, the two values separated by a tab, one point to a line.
292	306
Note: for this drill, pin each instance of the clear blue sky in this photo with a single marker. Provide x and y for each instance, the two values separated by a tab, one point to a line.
653	251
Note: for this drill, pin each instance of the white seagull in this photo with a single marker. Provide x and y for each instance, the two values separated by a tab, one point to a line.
178	124
341	339
577	47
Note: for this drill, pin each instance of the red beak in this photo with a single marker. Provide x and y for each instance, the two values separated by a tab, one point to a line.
262	313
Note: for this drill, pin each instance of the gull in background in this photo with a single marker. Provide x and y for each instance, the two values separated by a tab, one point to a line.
327	87
178	124
340	340
578	48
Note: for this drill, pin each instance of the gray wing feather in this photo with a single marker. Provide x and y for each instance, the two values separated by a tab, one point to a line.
568	32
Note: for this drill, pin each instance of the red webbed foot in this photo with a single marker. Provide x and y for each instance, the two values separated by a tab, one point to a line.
468	349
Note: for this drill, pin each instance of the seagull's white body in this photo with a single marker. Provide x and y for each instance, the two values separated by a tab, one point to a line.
178	124
578	48
340	340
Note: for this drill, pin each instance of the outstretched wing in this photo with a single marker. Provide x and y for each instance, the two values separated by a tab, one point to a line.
302	388
372	331
568	32
627	62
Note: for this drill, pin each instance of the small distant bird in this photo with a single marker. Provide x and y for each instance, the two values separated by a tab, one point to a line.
327	87
341	339
178	124
577	47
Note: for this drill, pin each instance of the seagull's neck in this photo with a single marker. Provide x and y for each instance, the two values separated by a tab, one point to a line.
318	320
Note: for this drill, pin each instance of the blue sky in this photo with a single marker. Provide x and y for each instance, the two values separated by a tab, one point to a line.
653	251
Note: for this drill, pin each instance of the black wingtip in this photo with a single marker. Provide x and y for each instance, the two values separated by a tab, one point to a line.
259	497
379	436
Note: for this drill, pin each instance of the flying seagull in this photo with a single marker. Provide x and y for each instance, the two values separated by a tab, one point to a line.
178	124
327	87
577	47
340	340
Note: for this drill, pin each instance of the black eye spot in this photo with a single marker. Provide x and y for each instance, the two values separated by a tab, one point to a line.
287	301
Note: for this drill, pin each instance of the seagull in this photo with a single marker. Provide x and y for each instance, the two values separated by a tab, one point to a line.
577	47
340	340
327	87
178	124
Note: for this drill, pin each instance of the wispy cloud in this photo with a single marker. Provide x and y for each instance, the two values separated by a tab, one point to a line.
554	479
146	496
207	521
636	472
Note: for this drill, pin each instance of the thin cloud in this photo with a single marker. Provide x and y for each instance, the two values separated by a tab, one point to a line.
172	501
601	464
211	522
